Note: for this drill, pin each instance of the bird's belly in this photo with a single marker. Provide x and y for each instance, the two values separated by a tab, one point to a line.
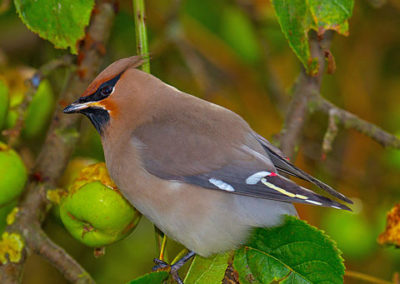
203	220
203	225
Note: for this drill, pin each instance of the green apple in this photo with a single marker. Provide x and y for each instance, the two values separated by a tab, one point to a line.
39	110
74	167
3	102
70	174
94	211
13	174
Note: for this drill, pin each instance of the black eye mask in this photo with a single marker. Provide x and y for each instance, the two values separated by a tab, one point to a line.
102	92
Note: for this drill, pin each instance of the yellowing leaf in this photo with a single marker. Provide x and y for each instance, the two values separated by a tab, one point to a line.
392	233
298	17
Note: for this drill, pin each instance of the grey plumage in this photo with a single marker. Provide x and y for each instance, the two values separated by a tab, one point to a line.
195	169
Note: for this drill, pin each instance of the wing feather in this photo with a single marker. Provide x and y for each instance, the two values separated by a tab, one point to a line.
264	184
218	151
284	166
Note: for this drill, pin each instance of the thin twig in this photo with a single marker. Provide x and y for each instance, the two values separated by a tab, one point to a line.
141	33
365	277
351	121
51	162
49	67
330	133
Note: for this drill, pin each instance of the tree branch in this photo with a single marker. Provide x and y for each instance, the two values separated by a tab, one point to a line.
351	121
58	257
305	87
60	142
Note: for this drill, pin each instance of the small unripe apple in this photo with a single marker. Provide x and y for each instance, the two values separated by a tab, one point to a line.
3	102
39	110
70	174
94	211
13	174
73	169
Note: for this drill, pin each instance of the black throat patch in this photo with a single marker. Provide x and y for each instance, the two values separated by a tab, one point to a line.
98	116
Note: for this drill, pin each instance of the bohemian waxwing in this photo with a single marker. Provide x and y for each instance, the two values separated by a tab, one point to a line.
195	169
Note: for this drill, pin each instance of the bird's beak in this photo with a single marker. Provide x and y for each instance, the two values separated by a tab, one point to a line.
76	107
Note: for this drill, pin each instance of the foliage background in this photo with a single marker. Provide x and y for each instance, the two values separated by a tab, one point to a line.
233	53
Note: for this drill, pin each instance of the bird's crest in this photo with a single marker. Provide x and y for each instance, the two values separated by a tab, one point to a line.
113	70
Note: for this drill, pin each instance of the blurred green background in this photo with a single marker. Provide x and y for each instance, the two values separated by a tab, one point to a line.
233	53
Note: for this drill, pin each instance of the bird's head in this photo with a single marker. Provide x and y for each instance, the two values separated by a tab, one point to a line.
102	98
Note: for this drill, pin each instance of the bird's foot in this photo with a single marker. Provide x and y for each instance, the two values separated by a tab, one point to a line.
172	269
161	265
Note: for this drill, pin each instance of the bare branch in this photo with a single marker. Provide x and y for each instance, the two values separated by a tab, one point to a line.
351	121
58	257
330	133
305	87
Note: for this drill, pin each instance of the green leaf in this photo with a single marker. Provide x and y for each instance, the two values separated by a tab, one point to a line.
208	270
292	253
297	17
61	22
151	278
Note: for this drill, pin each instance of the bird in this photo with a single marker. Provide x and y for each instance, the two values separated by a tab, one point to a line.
195	169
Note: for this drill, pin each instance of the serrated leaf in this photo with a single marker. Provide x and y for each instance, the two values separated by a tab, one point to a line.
61	22
151	278
292	253
208	270
297	17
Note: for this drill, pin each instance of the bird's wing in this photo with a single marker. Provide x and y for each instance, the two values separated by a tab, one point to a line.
283	165
217	152
260	184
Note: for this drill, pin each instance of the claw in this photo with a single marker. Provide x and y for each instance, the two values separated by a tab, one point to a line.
172	269
161	265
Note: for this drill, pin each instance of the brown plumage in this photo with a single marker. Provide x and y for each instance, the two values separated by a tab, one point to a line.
195	169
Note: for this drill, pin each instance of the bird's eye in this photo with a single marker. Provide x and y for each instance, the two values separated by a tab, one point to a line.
106	90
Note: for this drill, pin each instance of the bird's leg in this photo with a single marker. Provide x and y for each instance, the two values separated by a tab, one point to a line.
162	248
177	265
173	269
